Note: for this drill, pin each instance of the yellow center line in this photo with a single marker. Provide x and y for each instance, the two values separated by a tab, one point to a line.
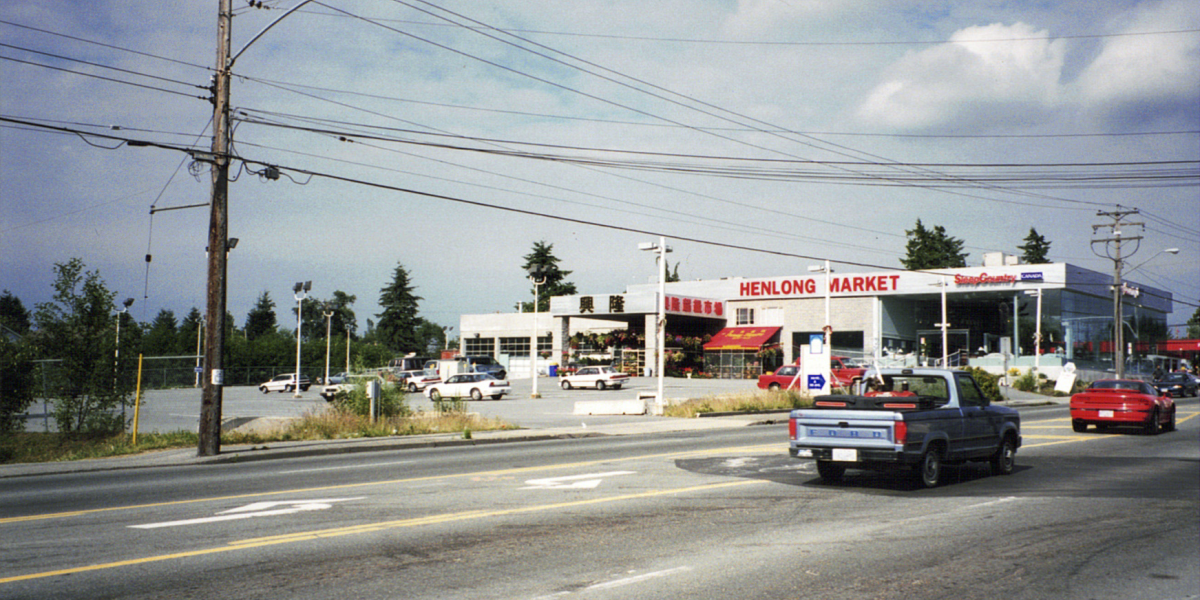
374	527
500	472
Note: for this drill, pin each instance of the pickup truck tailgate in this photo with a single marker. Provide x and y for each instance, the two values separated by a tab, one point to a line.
860	429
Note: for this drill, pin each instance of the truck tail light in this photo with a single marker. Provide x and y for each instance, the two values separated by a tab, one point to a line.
792	428
901	432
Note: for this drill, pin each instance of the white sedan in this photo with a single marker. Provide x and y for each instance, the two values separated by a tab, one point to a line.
597	377
475	385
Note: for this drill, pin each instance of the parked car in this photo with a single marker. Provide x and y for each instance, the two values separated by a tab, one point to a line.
598	377
784	377
1176	384
475	385
1113	402
485	364
284	383
336	379
419	379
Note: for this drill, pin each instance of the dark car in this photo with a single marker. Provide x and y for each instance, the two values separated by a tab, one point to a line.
1176	384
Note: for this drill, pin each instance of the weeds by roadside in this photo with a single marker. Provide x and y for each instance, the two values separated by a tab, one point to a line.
54	447
742	402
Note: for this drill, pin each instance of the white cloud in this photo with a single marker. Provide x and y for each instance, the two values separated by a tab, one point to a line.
1143	77
970	80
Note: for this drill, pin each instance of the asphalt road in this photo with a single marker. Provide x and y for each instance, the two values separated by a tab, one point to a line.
714	514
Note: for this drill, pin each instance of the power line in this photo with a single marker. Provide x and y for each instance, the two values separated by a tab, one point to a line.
788	43
102	44
140	85
520	113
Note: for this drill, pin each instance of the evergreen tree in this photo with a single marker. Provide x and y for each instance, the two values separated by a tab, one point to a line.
397	326
13	314
163	337
543	256
261	319
932	249
188	332
1035	249
1193	326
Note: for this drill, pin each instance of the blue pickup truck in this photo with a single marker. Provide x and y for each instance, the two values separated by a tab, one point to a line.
917	419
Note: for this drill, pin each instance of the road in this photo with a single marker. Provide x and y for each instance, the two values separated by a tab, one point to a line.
715	514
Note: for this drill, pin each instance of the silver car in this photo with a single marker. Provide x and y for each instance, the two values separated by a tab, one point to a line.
475	385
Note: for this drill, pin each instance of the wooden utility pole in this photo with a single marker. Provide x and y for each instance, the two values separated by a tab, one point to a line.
1112	250
218	243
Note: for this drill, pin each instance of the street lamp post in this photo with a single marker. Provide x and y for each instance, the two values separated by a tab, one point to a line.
300	292
117	352
661	317
328	339
538	275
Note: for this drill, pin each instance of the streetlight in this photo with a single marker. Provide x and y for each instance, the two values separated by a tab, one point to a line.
661	319
826	270
328	338
117	352
300	292
538	275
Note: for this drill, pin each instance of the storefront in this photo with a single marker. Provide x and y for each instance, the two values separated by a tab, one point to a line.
881	315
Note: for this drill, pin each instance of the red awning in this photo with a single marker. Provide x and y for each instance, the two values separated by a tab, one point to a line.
741	338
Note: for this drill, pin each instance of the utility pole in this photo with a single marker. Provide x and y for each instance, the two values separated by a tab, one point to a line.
1112	250
218	236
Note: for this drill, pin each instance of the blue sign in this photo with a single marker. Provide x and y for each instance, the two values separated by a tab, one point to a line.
1031	276
816	382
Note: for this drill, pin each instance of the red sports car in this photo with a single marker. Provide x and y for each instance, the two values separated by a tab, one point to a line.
1113	402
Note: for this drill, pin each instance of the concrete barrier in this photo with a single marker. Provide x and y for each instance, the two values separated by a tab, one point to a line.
610	407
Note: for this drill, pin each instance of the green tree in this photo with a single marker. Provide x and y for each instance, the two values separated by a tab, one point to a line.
13	314
932	249
261	319
163	337
397	326
77	327
672	275
543	256
1193	326
16	373
1035	249
188	332
342	317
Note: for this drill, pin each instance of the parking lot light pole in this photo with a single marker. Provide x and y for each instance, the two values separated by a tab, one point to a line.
328	338
300	292
661	318
537	274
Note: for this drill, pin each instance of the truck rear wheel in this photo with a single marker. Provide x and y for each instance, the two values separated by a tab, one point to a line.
929	470
829	471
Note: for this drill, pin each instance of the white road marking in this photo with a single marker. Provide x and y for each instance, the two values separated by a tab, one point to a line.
361	466
257	509
638	578
588	481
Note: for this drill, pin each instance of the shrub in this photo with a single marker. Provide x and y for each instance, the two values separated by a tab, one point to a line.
989	384
391	402
1027	382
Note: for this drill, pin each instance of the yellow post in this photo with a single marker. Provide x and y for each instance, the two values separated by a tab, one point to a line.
137	400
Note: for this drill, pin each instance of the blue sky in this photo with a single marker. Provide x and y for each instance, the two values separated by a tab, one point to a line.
936	85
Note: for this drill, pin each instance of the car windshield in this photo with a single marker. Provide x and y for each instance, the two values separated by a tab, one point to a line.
1113	384
483	360
1173	378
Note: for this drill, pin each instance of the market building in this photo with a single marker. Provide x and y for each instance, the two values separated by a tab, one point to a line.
739	327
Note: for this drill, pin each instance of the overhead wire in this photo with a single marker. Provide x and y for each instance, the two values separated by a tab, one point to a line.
813	142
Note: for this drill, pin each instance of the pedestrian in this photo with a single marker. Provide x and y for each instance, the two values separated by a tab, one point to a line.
1158	372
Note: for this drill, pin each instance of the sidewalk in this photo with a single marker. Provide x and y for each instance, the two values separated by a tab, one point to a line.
553	424
278	450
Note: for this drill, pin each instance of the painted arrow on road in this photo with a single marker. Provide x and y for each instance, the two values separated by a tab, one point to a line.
572	481
258	509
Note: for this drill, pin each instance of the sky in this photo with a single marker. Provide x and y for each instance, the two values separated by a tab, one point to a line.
758	136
